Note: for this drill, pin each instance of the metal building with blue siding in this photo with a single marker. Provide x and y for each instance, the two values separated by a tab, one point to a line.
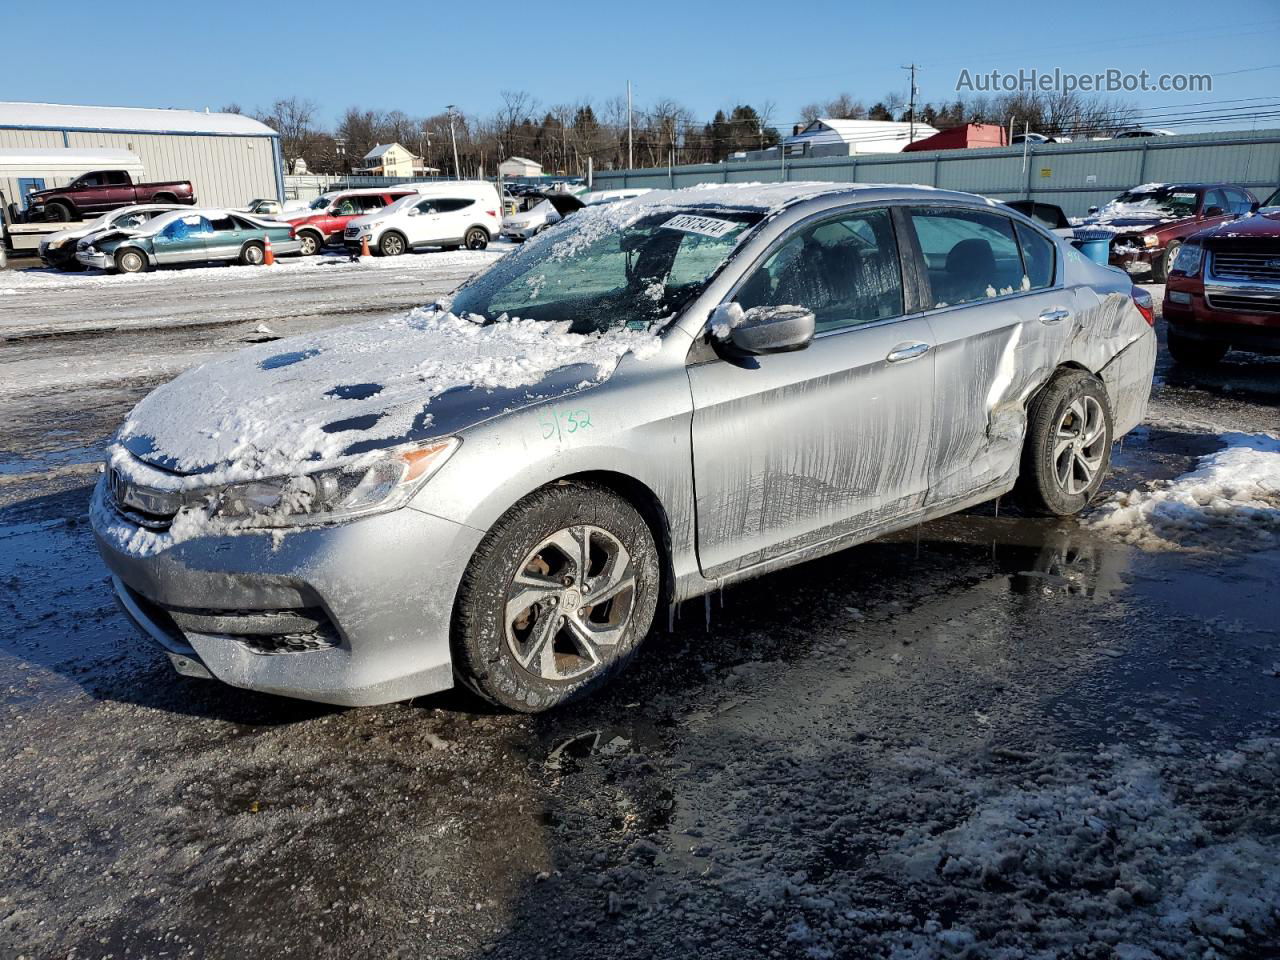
229	158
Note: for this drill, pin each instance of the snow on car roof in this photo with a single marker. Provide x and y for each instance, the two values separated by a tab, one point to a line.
61	116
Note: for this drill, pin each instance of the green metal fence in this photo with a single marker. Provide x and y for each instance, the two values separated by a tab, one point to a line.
1075	176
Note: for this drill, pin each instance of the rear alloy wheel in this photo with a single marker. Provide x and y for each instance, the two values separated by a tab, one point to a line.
557	598
477	239
310	243
1068	444
130	261
1192	352
253	255
391	245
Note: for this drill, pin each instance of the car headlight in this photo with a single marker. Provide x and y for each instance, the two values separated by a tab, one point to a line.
1150	241
1188	259
324	496
370	227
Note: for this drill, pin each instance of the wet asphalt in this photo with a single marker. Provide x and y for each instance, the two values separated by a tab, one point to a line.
769	779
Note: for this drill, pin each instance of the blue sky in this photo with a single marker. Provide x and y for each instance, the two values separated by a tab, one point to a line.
419	57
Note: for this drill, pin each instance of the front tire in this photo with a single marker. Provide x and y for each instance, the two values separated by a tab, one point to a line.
1190	352
1160	267
392	245
556	599
311	243
477	238
1068	445
130	261
59	212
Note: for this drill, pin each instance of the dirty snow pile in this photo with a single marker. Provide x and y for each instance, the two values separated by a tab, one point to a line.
262	411
1232	499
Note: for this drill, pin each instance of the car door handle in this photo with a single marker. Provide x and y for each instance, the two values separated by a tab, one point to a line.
907	351
1054	316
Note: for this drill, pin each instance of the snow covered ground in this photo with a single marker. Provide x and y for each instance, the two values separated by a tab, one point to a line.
1230	502
40	303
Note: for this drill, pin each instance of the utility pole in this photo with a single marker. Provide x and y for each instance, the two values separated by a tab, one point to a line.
631	160
911	102
457	170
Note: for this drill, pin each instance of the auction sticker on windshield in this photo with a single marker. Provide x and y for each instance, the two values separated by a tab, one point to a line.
707	226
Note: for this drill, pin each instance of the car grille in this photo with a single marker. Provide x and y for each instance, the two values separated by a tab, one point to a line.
1220	301
1247	266
353	231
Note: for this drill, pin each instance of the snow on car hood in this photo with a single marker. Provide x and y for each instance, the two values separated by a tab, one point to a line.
329	398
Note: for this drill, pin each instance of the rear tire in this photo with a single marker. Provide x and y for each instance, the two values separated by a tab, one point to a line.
59	212
1190	352
1068	445
392	245
526	633
130	261
477	238
253	255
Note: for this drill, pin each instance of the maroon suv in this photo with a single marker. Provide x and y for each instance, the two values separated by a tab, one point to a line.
1224	290
1149	223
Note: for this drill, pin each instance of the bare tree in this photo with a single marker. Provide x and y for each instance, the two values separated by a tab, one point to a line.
294	119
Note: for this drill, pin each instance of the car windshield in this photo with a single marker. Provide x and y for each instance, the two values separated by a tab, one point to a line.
1273	200
1168	202
320	203
597	276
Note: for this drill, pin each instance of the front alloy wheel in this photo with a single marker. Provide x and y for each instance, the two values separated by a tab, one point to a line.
391	245
556	599
570	603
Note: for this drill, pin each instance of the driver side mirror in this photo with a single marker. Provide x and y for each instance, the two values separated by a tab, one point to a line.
1093	210
1214	211
761	330
412	212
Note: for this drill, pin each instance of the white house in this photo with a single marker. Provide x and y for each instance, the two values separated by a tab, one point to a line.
519	167
391	160
827	137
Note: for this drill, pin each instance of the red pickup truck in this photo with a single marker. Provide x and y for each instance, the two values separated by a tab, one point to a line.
101	190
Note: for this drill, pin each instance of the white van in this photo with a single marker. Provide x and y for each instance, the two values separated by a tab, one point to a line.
450	214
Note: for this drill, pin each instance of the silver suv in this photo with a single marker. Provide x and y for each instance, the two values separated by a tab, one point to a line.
648	401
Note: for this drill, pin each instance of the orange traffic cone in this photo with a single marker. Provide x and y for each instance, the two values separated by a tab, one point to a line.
268	257
364	245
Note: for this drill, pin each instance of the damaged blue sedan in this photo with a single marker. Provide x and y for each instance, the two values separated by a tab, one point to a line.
646	402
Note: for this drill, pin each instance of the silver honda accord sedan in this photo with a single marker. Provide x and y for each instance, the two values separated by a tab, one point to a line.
648	401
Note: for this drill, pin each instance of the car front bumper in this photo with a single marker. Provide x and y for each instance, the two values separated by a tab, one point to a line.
374	595
92	259
1251	322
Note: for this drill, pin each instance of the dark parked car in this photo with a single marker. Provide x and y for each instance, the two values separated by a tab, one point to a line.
1147	224
1224	290
102	190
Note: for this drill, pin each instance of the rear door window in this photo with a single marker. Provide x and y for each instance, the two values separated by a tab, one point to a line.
970	255
371	202
1038	256
452	205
